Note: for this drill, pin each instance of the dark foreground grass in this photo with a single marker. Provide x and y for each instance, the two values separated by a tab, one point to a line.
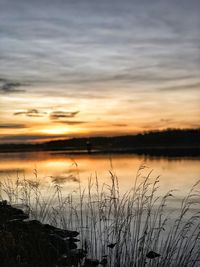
132	229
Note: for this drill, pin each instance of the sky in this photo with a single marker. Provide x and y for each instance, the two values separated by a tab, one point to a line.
71	68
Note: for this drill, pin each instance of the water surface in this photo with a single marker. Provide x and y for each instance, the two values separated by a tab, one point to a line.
175	173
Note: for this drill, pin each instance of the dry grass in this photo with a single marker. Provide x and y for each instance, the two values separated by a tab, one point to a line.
136	222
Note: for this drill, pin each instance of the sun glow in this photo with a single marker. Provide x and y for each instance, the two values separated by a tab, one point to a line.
53	131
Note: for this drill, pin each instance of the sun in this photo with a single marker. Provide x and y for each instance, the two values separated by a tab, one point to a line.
53	131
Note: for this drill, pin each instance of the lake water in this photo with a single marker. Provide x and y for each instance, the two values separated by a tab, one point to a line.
67	170
54	167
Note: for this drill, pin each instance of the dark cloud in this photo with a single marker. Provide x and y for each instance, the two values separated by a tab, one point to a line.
31	113
10	87
12	126
57	115
26	138
65	117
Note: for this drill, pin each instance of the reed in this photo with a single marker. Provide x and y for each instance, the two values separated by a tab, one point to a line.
121	228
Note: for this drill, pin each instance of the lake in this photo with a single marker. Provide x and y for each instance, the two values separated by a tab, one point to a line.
66	170
105	218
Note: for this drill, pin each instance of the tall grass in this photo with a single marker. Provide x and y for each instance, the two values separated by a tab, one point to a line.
135	222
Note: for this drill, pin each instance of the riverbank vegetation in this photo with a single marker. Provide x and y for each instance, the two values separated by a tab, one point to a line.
138	228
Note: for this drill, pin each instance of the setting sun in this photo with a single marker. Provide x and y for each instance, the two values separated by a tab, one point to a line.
56	131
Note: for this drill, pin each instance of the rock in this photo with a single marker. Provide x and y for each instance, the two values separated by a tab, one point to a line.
112	245
9	213
60	232
91	263
29	243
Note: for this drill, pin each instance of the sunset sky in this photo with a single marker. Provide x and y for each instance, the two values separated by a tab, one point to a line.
72	68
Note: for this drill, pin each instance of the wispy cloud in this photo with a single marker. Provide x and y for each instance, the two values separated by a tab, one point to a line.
31	113
120	124
187	86
25	138
8	87
90	41
70	122
12	126
57	115
93	55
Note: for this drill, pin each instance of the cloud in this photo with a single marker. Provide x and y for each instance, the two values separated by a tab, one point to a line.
120	124
55	46
182	87
10	87
64	117
71	122
57	115
12	126
29	138
31	113
85	52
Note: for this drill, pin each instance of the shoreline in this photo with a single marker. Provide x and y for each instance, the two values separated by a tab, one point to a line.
144	151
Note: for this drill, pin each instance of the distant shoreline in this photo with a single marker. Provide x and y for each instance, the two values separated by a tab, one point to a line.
154	152
171	142
160	152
